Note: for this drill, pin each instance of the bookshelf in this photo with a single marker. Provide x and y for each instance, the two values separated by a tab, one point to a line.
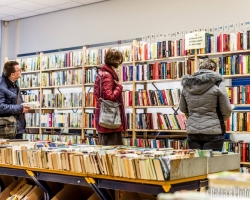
193	56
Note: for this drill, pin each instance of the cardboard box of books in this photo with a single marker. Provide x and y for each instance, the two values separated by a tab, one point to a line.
187	167
74	192
137	196
6	193
21	189
223	162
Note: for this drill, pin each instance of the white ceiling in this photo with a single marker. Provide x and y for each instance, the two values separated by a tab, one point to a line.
16	9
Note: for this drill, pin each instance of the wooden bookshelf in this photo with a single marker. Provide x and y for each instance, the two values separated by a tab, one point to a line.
61	69
30	88
163	106
160	130
238	132
157	81
157	137
60	127
61	86
245	163
224	53
30	72
236	76
68	108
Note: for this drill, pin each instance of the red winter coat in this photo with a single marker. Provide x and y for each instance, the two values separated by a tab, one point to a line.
110	91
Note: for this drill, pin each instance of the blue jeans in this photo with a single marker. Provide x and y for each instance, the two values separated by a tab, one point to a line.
203	141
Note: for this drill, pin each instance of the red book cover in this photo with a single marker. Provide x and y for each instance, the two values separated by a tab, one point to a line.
146	51
130	98
244	151
238	41
164	97
248	94
156	71
168	71
160	121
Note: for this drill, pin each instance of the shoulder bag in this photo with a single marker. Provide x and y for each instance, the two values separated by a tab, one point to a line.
8	125
110	116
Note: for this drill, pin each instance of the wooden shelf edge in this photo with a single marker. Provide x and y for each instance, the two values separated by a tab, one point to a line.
224	53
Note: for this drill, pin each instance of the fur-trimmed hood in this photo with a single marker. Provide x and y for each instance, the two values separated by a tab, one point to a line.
200	81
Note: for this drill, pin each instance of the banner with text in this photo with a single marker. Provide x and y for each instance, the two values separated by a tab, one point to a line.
195	40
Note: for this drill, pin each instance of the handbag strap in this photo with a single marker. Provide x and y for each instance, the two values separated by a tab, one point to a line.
101	95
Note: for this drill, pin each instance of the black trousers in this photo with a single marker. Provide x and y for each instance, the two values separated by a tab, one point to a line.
19	136
114	138
203	141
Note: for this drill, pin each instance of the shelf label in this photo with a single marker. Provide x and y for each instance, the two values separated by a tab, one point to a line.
195	40
231	27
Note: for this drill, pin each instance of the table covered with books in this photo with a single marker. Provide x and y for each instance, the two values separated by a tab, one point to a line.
142	170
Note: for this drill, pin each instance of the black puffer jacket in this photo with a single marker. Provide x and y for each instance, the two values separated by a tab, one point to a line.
205	100
8	102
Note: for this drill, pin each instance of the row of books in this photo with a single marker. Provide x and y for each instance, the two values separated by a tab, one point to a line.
29	80
164	70
161	121
231	65
129	162
73	120
89	120
29	64
90	101
161	49
167	97
61	60
90	75
125	73
156	143
241	147
68	77
31	97
239	94
222	42
62	100
238	121
96	56
32	119
67	138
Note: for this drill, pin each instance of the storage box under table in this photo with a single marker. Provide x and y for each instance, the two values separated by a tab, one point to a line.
224	162
188	167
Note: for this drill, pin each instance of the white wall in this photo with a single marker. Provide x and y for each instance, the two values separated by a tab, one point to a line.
123	19
117	20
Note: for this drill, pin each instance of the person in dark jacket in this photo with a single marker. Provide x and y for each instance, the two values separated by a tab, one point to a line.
10	97
111	90
206	104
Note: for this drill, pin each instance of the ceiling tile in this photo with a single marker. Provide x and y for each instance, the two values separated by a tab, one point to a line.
46	10
88	1
26	14
9	18
10	11
51	2
6	2
68	5
3	15
27	5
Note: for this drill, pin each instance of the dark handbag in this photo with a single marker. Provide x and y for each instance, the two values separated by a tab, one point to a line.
110	116
8	127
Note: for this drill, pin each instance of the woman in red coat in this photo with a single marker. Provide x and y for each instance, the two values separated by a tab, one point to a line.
111	90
